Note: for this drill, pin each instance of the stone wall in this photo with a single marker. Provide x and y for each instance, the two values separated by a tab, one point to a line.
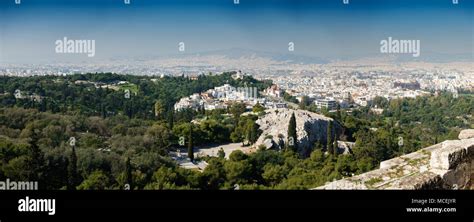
447	165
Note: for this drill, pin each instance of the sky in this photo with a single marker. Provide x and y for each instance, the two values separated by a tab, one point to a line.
319	28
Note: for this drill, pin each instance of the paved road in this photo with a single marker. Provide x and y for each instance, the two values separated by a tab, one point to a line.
228	149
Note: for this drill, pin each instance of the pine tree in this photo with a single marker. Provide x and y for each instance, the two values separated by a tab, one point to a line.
221	153
253	132
72	170
292	138
190	144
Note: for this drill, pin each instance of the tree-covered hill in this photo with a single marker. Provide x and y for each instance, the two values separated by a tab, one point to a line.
102	94
120	141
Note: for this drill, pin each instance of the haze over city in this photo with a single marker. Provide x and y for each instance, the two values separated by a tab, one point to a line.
327	30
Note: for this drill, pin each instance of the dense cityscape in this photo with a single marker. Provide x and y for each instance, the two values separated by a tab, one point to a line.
337	82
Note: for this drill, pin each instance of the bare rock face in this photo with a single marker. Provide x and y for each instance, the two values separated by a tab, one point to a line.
447	165
422	181
310	127
466	134
449	156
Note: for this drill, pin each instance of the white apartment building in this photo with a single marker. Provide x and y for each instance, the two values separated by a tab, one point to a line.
328	103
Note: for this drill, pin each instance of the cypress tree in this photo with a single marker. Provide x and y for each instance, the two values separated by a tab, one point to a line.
335	144
190	143
329	141
72	170
171	119
338	113
35	161
292	134
128	173
103	111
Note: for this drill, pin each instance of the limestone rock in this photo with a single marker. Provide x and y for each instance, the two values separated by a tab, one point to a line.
447	157
451	154
310	127
466	134
447	165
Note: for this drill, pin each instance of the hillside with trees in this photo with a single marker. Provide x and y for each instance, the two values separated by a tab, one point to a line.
78	134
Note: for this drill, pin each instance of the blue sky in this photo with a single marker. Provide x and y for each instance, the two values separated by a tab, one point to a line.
320	28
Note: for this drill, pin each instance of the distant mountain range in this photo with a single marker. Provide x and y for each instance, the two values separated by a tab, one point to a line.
286	57
236	53
291	58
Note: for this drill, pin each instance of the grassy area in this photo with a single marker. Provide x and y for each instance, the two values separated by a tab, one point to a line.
373	181
130	86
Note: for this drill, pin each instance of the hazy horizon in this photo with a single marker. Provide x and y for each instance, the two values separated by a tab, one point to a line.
320	29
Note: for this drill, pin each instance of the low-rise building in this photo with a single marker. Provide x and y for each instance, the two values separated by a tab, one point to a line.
327	103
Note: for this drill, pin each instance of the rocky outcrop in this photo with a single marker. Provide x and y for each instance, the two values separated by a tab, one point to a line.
466	134
310	127
450	155
447	165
